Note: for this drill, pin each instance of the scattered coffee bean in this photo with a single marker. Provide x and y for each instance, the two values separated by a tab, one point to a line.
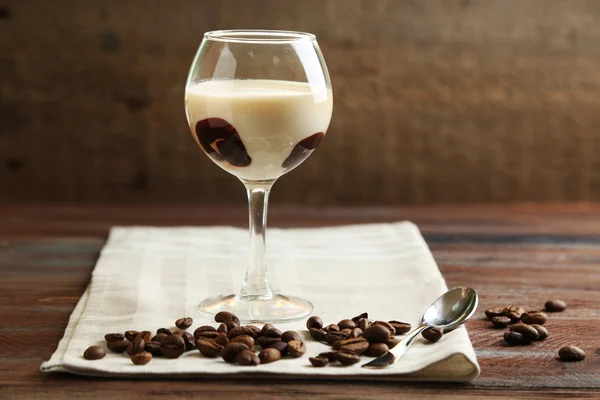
222	316
331	327
318	361
513	338
376	350
314	322
94	353
400	327
209	349
360	316
334	336
184	323
433	334
346	331
389	326
329	355
555	305
172	346
232	322
529	333
222	328
346	324
231	351
347	358
265	342
296	348
501	321
246	339
210	335
142	358
159	337
189	340
543	332
534	317
513	312
317	334
354	333
494	312
364	324
355	345
269	355
290	335
137	346
247	358
281	346
377	334
117	347
244	330
273	332
114	337
205	328
391	343
164	331
571	353
130	335
146	336
265	328
153	348
222	339
255	331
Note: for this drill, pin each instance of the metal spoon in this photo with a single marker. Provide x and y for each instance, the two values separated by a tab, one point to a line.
449	311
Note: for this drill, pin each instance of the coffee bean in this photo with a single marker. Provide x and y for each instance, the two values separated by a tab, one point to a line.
331	327
142	358
317	334
117	347
209	349
376	350
273	332
501	321
346	331
281	346
400	327
354	333
347	358
389	326
329	355
189	340
269	355
205	328
222	328
247	358
172	346
334	336
153	348
543	332
159	337
265	342
318	361
314	322
265	328
377	334
137	346
210	335
164	331
571	353
513	312
130	335
494	312
184	323
290	335
355	345
231	351
222	339
391	343
94	353
537	317
513	338
296	348
364	324
146	336
222	316
246	339
529	333
346	324
255	330
555	305
114	337
359	317
232	322
244	330
433	334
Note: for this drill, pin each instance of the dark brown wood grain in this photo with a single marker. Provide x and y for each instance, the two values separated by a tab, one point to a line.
514	254
435	101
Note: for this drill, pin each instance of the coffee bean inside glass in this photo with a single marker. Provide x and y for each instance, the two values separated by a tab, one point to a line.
258	103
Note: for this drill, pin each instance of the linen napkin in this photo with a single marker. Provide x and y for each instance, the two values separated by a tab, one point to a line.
148	277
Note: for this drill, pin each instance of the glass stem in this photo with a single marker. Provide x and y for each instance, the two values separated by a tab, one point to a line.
256	286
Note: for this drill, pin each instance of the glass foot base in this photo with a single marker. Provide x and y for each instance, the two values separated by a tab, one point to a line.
277	310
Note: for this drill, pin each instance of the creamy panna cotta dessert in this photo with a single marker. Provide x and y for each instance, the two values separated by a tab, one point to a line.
258	129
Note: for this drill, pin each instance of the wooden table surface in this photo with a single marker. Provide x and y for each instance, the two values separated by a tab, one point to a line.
511	254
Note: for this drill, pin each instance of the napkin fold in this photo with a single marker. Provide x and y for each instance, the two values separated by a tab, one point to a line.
148	277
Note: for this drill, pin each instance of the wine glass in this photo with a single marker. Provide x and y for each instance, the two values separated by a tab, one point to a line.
258	103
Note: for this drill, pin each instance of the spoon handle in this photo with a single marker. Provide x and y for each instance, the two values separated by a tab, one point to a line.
392	356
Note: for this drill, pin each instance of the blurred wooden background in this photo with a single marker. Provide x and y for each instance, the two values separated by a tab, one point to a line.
435	101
